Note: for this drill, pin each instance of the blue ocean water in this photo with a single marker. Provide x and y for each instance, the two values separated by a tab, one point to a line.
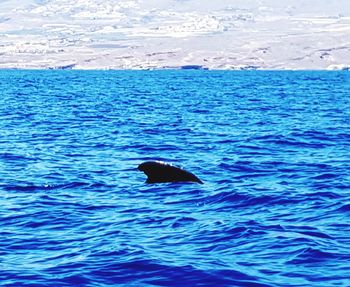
273	150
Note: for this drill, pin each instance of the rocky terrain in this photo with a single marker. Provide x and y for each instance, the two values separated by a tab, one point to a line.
152	34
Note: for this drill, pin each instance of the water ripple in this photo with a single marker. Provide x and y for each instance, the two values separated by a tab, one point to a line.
272	148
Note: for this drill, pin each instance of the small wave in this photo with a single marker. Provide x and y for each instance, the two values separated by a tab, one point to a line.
242	166
316	234
345	208
311	255
321	136
321	195
239	200
30	187
12	157
226	196
326	176
286	142
162	274
183	222
281	140
156	148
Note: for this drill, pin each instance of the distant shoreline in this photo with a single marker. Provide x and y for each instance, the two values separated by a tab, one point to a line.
167	69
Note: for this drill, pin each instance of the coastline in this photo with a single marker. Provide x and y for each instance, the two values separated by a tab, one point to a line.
140	35
174	68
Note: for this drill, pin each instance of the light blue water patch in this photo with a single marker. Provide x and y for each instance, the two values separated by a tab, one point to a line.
271	147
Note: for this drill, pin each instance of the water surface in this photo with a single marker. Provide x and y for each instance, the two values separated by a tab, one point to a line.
272	148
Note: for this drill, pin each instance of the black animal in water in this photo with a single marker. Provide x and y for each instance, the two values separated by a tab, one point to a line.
158	172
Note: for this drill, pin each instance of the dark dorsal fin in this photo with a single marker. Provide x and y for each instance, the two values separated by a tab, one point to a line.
158	171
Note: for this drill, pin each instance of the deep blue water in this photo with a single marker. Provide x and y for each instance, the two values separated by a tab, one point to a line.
273	149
